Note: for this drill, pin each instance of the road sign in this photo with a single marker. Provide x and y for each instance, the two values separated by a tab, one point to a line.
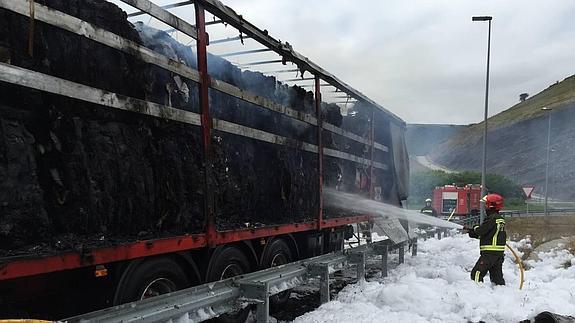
527	190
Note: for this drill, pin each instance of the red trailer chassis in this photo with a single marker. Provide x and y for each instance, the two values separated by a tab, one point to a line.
73	260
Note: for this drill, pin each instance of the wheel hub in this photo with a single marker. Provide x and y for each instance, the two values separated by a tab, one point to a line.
157	287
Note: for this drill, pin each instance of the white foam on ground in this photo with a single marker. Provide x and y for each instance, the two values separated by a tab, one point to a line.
435	286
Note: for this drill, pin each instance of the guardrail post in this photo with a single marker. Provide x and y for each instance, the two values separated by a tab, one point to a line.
321	270
439	234
382	250
358	258
402	252
414	247
258	293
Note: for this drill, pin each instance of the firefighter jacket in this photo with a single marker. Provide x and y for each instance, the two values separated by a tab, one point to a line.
428	210
491	234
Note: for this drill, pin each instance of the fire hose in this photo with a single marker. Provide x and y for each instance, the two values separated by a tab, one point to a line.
519	264
24	321
452	213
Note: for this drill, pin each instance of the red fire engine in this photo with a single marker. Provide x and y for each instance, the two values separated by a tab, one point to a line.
464	199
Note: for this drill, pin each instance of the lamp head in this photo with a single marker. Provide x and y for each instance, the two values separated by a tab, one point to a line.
481	18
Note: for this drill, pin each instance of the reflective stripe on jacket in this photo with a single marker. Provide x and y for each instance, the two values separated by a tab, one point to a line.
491	234
428	210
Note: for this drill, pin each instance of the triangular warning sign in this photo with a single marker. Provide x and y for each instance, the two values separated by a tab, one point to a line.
527	190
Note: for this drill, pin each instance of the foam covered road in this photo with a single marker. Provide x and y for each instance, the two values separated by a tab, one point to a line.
435	286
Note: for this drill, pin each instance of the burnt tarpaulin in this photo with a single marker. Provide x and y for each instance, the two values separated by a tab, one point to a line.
400	159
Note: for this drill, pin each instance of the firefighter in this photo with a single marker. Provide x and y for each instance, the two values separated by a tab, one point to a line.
427	209
492	238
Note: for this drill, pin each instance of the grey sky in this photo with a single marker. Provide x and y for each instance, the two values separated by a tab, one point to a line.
425	60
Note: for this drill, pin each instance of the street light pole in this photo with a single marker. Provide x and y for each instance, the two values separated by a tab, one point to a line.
548	153
484	153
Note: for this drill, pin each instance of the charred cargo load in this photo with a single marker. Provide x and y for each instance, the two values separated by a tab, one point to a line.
77	174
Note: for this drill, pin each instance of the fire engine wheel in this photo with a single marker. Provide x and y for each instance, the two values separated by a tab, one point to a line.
229	262
151	278
277	253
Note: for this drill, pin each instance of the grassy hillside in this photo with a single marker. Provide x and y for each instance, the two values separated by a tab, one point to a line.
517	142
556	96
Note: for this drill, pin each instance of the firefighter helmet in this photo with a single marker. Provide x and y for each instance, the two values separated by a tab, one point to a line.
493	202
428	200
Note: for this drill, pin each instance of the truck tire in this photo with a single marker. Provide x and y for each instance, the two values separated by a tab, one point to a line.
277	253
150	278
228	262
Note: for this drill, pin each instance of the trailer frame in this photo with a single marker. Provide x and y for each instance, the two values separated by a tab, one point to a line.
25	266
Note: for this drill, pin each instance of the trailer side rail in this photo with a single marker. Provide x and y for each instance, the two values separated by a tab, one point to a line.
286	51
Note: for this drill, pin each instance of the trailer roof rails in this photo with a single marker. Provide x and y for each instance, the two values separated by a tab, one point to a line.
285	50
227	15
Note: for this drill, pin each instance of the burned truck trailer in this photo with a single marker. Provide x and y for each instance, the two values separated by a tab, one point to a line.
133	165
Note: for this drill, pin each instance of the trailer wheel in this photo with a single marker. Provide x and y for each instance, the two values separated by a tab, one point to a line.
277	253
226	263
151	278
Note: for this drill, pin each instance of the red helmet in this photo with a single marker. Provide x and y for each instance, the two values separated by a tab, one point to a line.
493	202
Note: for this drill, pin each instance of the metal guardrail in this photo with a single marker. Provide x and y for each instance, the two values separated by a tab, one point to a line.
517	214
210	300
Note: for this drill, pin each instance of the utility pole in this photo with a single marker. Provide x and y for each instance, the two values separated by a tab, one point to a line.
484	152
548	110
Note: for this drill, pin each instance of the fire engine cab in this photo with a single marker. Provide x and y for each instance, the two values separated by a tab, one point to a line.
464	199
